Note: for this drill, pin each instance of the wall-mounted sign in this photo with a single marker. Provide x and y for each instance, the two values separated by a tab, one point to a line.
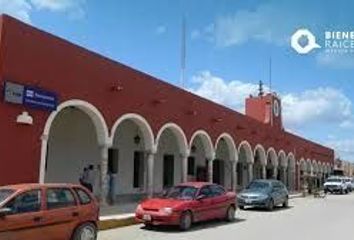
13	93
30	96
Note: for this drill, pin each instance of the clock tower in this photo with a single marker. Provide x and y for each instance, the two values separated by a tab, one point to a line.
265	108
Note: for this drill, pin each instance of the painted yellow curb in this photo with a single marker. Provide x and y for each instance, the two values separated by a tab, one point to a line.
116	223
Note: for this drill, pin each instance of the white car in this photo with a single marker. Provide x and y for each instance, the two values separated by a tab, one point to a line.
349	182
336	185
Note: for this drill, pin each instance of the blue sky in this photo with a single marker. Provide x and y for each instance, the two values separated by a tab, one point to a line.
229	44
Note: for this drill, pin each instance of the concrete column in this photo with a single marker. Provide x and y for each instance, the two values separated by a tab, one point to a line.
275	172
234	175
150	173
264	172
285	176
184	157
250	172
210	170
44	148
104	175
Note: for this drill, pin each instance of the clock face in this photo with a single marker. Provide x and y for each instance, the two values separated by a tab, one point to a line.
276	109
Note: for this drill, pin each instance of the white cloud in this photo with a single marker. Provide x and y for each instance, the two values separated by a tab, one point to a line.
315	106
344	148
231	94
320	105
336	60
18	8
161	30
23	9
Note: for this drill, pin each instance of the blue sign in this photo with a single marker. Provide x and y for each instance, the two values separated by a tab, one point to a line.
30	96
38	98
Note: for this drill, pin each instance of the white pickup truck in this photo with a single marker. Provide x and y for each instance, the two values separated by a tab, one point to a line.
336	185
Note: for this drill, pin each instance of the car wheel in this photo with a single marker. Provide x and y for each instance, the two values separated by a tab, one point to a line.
148	225
87	231
242	207
286	203
271	205
186	221
230	214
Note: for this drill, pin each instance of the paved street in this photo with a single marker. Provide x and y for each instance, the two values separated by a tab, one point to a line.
306	219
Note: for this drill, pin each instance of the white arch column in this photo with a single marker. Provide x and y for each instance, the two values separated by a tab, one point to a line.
210	169
264	172
234	176
150	172
184	158
250	172
104	174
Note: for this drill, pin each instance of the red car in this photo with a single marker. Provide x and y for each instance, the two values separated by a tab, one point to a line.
47	211
187	203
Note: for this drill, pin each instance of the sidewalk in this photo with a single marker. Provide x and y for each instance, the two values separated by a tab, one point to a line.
123	214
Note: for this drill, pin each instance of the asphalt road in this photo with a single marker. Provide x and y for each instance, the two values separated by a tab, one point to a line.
306	219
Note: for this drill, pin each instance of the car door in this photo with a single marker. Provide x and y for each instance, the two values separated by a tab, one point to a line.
279	193
283	192
275	193
219	201
62	214
26	218
88	210
203	207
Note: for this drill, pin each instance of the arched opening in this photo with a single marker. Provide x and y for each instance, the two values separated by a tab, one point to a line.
132	138
260	160
244	164
201	152
171	148
72	141
272	164
223	162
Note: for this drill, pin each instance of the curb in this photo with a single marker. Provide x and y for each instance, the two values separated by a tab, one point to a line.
116	223
299	195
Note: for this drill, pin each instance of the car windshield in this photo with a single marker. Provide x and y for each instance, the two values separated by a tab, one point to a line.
334	180
5	193
180	192
258	186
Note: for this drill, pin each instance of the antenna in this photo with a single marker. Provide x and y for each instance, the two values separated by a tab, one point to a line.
183	52
270	74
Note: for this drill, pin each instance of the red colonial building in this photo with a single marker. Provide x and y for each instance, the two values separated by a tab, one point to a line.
64	108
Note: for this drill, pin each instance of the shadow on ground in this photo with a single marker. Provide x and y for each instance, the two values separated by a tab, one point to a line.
195	227
276	209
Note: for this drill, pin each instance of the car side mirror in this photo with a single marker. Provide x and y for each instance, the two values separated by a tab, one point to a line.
4	212
201	197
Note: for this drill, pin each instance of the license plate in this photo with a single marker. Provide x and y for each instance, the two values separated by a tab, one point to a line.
146	217
248	201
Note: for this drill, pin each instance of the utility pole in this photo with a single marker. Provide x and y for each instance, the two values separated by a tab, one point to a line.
183	53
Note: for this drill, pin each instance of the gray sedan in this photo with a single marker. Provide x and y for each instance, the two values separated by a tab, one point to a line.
265	194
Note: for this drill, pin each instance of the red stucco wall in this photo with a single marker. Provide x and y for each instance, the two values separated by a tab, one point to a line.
32	57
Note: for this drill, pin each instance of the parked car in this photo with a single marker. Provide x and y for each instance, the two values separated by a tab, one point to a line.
187	203
336	185
47	211
349	182
264	194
